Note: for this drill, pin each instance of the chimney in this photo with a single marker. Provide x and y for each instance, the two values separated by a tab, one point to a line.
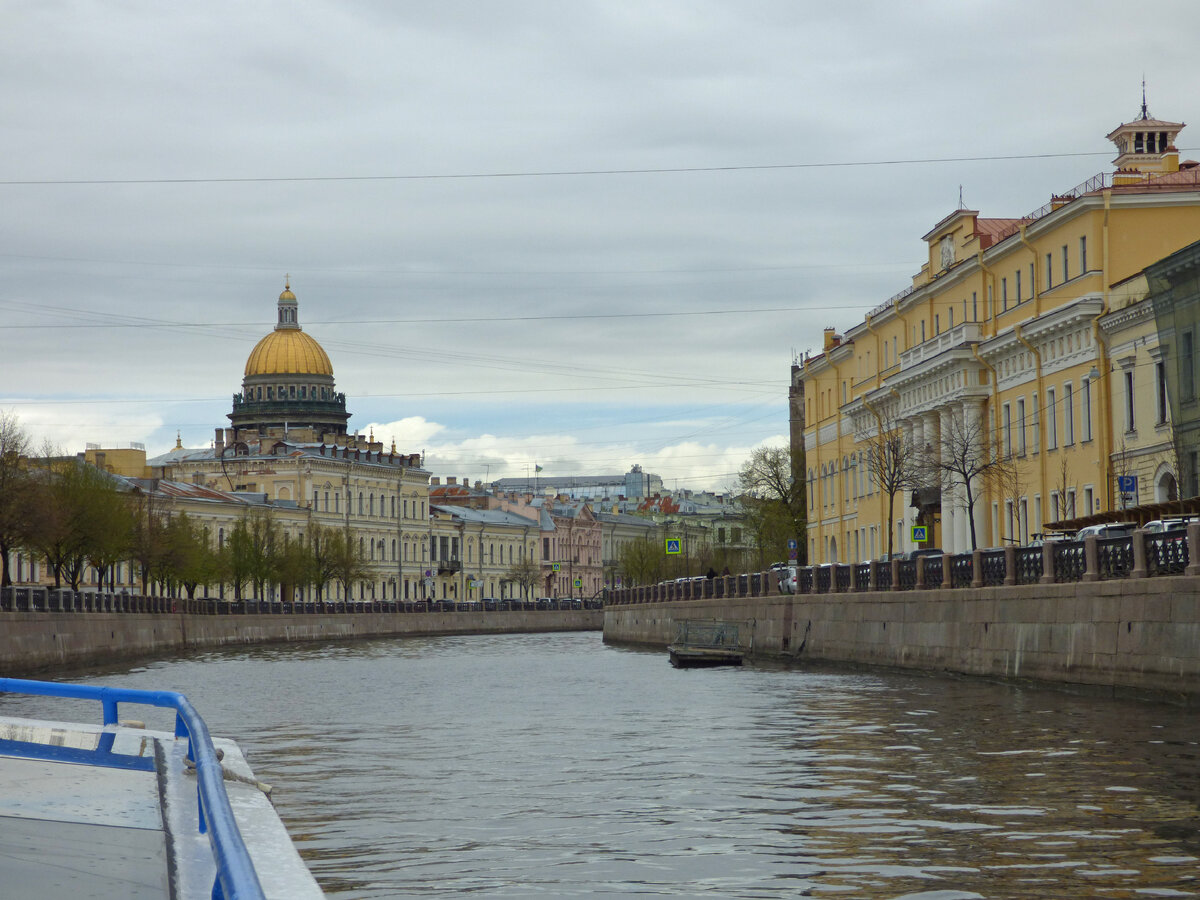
434	481
219	441
832	339
451	479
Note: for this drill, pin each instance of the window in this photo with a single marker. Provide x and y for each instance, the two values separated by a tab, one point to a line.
1037	424
922	329
1004	293
1129	421
991	310
1160	392
1187	366
1007	413
1068	414
1049	270
974	306
1032	282
1021	426
1018	285
1082	254
1088	503
1066	276
937	324
951	317
1085	411
1051	421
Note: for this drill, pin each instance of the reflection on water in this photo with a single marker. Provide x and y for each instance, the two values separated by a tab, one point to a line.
552	764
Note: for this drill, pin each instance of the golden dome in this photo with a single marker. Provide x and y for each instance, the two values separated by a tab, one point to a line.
287	294
288	352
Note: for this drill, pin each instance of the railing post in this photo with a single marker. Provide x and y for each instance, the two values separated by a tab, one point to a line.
1091	559
920	583
1139	555
873	576
1047	563
976	568
895	573
1193	539
948	570
1010	565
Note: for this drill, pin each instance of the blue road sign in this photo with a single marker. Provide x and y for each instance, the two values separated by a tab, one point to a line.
920	534
1127	484
673	545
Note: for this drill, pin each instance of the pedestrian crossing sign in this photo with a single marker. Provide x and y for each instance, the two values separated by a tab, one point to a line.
920	534
673	546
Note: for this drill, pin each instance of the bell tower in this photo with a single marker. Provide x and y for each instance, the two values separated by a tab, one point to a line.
1145	146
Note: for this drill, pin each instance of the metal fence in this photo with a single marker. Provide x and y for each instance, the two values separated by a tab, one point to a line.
33	599
1061	562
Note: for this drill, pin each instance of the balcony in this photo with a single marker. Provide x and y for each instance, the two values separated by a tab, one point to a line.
964	333
449	566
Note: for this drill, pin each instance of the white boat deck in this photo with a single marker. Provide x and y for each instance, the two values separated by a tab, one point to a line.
70	831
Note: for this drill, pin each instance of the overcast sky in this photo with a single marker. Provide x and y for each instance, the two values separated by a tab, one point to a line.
578	234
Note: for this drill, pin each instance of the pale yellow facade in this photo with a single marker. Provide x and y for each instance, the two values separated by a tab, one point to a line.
1005	323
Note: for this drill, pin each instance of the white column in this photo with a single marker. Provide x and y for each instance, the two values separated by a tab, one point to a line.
972	414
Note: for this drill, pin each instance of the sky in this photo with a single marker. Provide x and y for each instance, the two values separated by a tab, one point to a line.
580	235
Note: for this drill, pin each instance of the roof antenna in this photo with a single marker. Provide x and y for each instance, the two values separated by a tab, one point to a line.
960	199
1145	112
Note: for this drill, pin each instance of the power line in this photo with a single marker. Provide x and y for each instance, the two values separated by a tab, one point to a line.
546	173
441	320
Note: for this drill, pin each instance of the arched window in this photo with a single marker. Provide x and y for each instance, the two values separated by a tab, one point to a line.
360	503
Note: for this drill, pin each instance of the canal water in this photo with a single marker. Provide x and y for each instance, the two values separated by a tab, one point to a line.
556	766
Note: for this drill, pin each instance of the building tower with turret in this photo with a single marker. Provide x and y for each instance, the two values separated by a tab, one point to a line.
288	388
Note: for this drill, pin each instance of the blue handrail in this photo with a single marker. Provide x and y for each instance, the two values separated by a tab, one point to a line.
236	878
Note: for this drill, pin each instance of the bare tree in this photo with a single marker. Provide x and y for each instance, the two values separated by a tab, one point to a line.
893	465
967	456
1009	482
769	480
1122	468
1065	488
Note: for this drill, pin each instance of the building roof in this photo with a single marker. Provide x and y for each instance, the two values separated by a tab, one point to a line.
288	350
288	353
486	516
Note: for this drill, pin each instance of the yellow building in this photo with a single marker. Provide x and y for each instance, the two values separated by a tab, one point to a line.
1014	329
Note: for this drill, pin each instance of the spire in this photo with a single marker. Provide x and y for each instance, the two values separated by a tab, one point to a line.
1145	112
178	441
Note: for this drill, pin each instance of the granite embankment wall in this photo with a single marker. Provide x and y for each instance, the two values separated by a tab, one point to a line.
33	642
1136	634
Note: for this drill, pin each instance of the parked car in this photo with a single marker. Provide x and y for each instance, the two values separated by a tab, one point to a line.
1106	530
1160	525
788	580
924	551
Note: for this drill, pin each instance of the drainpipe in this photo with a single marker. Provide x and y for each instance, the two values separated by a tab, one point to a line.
1104	401
988	285
995	398
1037	296
1018	331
